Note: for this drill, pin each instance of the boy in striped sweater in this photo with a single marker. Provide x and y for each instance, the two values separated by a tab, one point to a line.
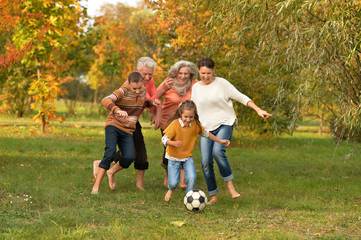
125	105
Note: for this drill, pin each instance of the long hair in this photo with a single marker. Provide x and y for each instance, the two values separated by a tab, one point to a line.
178	65
186	105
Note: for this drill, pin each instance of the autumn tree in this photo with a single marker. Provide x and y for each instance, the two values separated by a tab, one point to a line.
116	52
46	26
187	30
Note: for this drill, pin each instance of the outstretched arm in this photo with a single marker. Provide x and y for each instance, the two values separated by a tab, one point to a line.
224	142
260	112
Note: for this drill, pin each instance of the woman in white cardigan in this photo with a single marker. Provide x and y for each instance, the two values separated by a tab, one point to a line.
213	97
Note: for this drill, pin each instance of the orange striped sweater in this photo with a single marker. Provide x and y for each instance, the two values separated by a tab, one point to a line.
126	100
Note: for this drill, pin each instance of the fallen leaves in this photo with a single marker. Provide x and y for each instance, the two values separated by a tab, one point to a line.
178	223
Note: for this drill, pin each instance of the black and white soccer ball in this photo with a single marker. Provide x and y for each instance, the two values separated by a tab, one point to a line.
195	200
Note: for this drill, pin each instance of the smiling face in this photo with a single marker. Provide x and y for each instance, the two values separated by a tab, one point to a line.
147	74
187	116
206	75
183	75
136	87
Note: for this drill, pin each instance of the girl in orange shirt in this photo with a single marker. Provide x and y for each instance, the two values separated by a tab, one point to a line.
179	138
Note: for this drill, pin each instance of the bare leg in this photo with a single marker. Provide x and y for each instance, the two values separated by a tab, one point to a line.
182	182
140	179
213	200
96	167
231	190
168	195
98	180
165	178
111	172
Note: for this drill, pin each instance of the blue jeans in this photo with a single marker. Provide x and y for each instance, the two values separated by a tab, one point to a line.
174	173
210	150
114	137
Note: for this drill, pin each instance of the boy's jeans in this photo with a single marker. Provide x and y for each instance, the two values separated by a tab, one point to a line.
114	137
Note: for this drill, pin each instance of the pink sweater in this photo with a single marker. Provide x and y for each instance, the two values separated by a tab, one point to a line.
171	103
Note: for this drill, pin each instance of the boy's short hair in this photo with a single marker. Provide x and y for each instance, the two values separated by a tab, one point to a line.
135	77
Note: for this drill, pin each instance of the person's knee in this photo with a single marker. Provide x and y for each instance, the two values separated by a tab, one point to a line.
219	153
117	156
141	165
207	166
191	180
125	162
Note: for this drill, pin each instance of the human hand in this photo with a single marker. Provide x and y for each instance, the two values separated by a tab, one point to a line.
121	114
156	117
177	144
225	142
168	82
263	114
156	102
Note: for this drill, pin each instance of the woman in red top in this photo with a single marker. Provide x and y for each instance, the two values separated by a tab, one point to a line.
175	89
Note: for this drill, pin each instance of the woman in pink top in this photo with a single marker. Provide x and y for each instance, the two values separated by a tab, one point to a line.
175	89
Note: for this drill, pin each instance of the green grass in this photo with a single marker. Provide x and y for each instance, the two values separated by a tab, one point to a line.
299	187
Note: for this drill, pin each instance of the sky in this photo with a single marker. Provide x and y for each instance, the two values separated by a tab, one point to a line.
94	5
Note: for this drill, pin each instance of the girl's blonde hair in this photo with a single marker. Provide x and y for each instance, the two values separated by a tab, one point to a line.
186	105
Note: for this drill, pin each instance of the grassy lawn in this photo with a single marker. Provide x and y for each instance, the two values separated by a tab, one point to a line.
293	187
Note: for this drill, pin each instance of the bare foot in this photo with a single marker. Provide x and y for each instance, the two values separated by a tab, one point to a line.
168	195
96	167
140	187
95	190
111	179
235	195
213	200
232	190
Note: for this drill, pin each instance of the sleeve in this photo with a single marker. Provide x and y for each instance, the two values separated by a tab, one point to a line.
109	101
194	94
170	130
203	132
160	88
151	90
148	104
233	93
165	138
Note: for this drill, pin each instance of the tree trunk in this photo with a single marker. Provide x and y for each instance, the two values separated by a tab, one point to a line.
321	126
43	118
96	96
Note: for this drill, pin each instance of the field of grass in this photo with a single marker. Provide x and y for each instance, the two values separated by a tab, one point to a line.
293	187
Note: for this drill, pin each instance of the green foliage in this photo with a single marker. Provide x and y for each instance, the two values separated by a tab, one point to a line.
315	44
194	29
15	97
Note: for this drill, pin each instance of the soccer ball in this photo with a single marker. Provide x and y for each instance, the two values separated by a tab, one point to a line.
195	200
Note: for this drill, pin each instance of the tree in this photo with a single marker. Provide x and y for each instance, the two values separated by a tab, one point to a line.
188	30
315	42
46	26
116	52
